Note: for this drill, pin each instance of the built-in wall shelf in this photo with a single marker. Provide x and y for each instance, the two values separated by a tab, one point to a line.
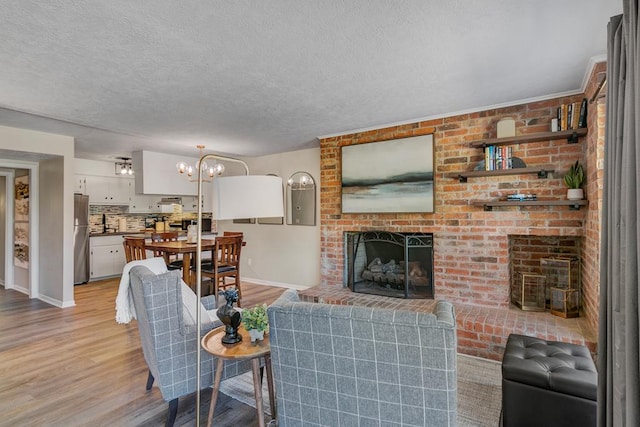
488	205
542	172
571	136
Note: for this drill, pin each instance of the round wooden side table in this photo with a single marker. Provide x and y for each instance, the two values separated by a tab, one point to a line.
243	350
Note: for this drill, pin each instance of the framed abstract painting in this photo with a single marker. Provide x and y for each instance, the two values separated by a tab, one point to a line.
395	176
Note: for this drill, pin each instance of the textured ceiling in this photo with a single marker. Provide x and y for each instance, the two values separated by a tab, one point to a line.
261	77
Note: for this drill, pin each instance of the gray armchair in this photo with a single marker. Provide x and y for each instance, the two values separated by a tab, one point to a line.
168	336
358	366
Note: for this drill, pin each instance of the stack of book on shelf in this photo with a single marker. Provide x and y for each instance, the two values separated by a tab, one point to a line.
572	116
496	158
518	197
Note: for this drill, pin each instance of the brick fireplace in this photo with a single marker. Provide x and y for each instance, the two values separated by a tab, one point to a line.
471	246
471	253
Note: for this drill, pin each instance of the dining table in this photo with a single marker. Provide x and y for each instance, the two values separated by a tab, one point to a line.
186	249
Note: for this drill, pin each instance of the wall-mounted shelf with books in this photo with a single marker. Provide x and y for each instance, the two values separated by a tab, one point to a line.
571	136
542	172
488	205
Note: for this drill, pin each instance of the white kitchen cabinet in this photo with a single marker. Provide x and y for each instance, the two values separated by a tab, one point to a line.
207	200
156	174
190	203
81	184
107	256
142	203
121	189
108	190
107	261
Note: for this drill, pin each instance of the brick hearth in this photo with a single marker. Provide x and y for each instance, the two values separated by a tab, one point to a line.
482	331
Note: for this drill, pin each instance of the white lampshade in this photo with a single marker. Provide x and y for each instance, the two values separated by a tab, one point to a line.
248	196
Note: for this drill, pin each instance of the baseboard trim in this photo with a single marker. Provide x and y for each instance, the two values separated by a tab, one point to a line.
277	284
20	289
57	302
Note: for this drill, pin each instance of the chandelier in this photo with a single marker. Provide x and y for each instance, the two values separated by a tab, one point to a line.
191	172
124	166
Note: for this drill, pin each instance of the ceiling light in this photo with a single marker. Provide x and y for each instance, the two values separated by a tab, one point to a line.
191	172
124	166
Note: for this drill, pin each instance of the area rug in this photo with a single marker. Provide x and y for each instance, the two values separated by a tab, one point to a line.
479	391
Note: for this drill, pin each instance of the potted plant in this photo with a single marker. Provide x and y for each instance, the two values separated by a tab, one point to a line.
574	180
256	321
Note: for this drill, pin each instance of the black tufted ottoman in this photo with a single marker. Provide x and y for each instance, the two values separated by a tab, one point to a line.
547	383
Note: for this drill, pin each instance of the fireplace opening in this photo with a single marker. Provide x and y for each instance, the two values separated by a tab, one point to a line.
545	273
390	264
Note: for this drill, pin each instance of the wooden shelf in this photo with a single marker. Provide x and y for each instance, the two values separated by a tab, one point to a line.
542	172
571	136
490	204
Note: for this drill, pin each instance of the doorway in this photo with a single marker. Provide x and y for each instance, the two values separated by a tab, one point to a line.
20	272
6	228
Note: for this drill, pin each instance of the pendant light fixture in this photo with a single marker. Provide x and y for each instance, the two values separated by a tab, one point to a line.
191	171
124	166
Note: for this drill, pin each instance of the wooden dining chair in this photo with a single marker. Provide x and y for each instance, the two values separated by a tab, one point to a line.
173	263
134	248
225	265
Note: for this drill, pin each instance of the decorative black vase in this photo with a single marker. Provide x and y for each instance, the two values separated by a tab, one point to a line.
230	317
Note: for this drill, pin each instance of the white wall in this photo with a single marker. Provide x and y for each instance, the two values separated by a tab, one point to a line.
286	255
58	292
51	215
94	167
3	218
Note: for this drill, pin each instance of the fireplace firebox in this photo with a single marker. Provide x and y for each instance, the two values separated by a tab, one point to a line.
390	264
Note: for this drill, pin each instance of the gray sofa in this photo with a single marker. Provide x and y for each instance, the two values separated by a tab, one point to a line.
169	343
360	366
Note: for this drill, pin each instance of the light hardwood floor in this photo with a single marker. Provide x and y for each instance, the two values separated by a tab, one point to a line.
78	367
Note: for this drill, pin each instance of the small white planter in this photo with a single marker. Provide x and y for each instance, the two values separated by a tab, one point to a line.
575	194
256	335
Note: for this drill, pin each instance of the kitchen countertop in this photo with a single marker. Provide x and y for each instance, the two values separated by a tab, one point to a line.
120	233
139	233
145	232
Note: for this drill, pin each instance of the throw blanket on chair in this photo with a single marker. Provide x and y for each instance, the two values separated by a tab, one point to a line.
125	310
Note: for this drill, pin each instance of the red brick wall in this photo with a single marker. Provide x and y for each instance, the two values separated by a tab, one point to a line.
593	191
470	246
526	251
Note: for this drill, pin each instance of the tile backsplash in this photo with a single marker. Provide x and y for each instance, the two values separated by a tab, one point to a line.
135	222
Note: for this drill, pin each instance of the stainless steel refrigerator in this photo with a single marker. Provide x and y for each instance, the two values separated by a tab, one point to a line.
80	239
